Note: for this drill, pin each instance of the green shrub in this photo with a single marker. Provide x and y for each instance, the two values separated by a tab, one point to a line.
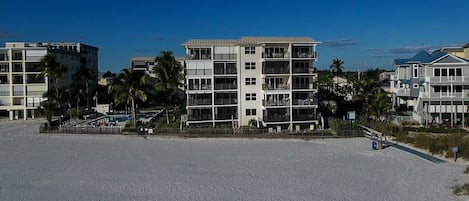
339	124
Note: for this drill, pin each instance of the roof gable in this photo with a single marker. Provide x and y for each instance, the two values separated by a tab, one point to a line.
420	56
445	58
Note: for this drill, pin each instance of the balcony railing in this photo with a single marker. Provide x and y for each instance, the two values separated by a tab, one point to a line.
272	70
226	101
200	87
194	102
199	72
276	118
275	87
225	86
304	86
225	56
222	71
199	57
33	58
303	117
403	92
199	117
310	101
275	55
303	70
304	54
446	79
225	116
284	102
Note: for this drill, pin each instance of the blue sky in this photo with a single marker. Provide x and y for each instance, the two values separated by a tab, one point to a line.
366	33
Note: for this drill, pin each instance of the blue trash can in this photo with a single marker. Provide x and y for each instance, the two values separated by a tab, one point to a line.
374	145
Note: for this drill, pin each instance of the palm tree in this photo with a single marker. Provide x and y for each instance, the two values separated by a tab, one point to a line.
365	89
380	104
168	76
337	67
54	72
129	85
81	80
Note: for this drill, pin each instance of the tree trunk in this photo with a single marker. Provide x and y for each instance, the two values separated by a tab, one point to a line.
167	116
133	112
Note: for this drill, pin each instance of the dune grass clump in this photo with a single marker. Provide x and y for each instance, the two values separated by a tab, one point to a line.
461	189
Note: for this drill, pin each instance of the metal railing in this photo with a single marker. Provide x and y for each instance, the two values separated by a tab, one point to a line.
81	130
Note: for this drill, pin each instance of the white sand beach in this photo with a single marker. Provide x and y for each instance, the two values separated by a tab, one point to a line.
42	167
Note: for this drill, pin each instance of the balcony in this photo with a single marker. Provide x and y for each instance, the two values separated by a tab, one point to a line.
304	86
275	70
33	67
280	86
195	102
403	92
225	86
306	55
3	79
35	79
224	113
267	55
303	70
304	117
277	118
447	79
199	117
3	57
229	70
199	72
226	116
199	54
270	103
310	101
200	87
226	101
225	56
276	115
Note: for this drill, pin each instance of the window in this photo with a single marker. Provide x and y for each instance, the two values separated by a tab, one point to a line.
250	50
250	65
437	89
4	68
250	112
458	72
444	72
416	85
250	81
251	96
437	72
457	89
416	71
452	72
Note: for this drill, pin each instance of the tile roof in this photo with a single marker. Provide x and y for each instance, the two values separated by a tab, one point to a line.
265	39
211	42
250	40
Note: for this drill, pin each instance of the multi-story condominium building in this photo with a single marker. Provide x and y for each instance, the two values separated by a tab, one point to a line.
21	89
145	64
271	80
432	87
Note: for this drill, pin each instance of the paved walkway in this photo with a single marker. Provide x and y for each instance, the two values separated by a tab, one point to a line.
417	153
